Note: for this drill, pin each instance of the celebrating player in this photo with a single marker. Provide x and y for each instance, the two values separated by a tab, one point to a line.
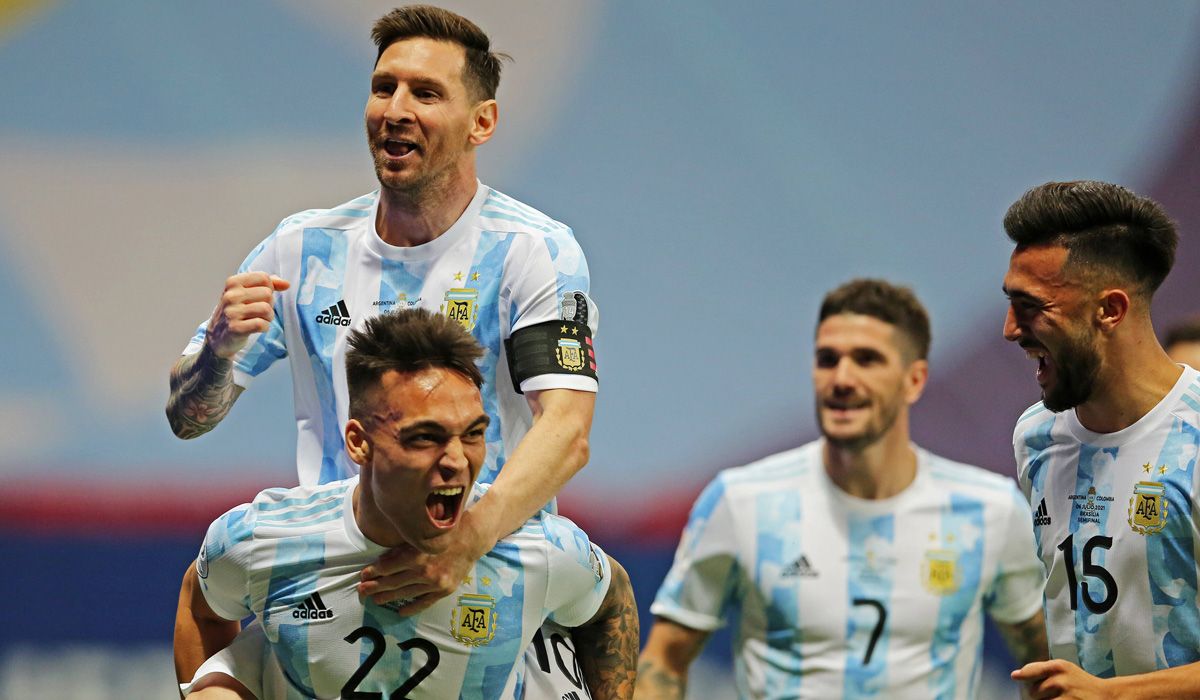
857	565
432	237
292	557
1107	458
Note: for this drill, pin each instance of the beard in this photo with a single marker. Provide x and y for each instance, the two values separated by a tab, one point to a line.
1076	364
876	428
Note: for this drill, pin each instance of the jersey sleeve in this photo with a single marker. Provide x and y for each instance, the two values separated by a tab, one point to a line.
579	573
223	563
1016	592
704	576
553	284
264	348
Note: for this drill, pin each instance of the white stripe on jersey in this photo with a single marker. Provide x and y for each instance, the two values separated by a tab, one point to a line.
1115	528
835	596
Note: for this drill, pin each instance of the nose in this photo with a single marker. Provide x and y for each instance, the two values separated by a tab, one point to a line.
1012	332
454	458
843	372
399	108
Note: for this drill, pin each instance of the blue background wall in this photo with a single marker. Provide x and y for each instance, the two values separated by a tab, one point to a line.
723	164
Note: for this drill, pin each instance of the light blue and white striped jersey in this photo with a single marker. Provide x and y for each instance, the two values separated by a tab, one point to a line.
501	267
1115	526
293	557
836	596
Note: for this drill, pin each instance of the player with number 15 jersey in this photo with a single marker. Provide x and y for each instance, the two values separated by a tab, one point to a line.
1115	528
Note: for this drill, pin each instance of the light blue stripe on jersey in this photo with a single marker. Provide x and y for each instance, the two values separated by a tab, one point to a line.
1037	440
326	249
961	515
782	606
490	254
1032	411
317	497
298	561
1170	555
867	583
484	680
387	676
1191	402
1092	638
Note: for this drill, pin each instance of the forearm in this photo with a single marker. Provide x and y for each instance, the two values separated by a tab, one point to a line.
199	633
550	454
1178	682
1026	640
663	668
202	392
657	680
607	647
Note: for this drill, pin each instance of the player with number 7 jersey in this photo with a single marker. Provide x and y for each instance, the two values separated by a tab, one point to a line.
1114	526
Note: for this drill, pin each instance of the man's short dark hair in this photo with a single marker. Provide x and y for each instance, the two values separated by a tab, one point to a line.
894	305
1185	332
407	341
1106	229
481	74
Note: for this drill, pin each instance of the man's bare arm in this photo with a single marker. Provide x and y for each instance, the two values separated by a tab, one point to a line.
202	388
1026	640
607	645
663	667
199	631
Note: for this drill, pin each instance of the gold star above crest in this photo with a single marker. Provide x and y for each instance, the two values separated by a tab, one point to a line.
950	537
574	330
458	277
485	580
933	537
475	277
466	580
1146	467
562	330
1162	469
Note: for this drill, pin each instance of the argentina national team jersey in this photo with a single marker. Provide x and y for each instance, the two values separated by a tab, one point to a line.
292	558
501	267
835	596
1115	526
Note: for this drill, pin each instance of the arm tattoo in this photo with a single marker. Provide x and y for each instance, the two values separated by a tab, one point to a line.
657	682
607	647
1027	640
202	392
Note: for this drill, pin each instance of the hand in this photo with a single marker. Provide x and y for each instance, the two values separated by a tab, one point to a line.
419	579
1060	679
246	307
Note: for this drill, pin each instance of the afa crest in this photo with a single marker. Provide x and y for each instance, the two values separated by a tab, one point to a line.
939	571
473	622
462	305
569	354
1148	508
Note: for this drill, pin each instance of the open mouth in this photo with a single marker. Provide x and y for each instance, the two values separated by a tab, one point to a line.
443	505
397	148
1044	364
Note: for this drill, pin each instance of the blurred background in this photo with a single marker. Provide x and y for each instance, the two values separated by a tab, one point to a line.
722	164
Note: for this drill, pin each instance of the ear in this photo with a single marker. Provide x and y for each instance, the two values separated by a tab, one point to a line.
358	445
914	380
483	122
1112	306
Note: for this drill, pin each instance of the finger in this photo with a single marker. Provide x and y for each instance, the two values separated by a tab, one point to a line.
279	284
1049	688
388	594
249	279
418	605
258	309
1031	671
391	562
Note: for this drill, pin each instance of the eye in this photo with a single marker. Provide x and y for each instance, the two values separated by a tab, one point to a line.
475	435
419	441
826	359
382	89
425	94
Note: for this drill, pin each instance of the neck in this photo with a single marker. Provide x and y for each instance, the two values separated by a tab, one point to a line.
1134	378
375	526
880	470
408	219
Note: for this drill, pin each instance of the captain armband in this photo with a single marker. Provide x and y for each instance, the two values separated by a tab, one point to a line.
553	347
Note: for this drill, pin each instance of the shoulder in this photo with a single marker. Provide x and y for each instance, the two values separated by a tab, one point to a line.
503	214
968	479
343	216
770	472
1032	418
305	510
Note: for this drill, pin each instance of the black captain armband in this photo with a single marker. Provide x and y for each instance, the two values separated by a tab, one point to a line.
553	347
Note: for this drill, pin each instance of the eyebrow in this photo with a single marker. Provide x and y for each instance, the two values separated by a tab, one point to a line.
436	427
1019	294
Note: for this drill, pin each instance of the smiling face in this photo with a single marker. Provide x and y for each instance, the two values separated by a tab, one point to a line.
1049	316
420	443
862	379
422	122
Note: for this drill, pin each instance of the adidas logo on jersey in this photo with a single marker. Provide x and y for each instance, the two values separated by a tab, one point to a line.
336	315
312	609
800	567
570	695
1040	517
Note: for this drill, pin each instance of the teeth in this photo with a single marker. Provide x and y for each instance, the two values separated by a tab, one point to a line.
453	491
1035	354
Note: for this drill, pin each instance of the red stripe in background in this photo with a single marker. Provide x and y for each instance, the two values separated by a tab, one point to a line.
82	508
